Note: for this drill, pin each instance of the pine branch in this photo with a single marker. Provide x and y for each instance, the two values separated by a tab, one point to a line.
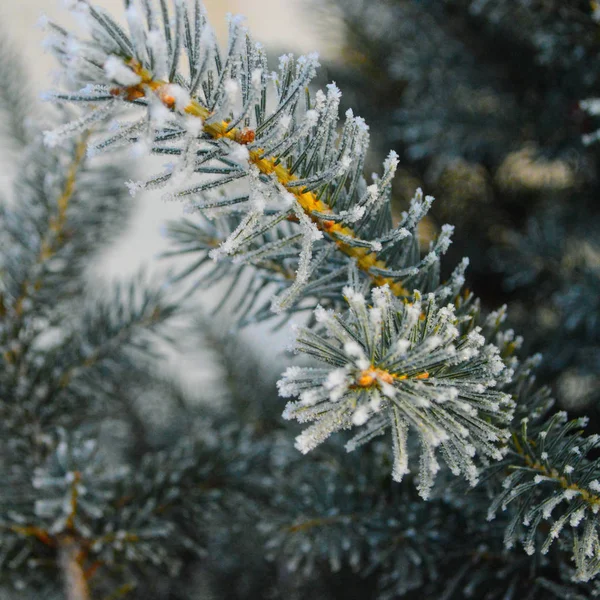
72	379
53	238
375	528
166	511
553	479
61	213
306	193
402	366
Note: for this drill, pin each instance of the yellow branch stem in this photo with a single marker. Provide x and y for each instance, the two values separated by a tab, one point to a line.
365	258
370	377
74	501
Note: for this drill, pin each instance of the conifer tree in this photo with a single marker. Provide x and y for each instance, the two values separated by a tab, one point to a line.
459	479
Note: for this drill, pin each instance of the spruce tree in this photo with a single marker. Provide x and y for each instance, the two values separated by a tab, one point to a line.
459	479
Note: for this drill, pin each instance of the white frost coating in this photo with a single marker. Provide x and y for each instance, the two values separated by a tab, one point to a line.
337	384
333	92
430	259
231	244
445	239
320	431
551	504
256	78
160	115
311	235
577	517
57	136
285	60
193	126
136	27
116	70
400	446
345	164
373	191
391	163
141	148
402	346
335	378
352	296
240	155
311	117
134	187
387	388
309	397
232	89
309	64
354	350
321	314
287	387
158	48
529	548
361	415
180	95
357	355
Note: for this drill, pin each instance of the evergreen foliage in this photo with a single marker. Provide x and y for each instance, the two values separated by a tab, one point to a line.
102	502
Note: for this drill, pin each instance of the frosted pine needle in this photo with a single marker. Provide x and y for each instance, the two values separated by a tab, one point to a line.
406	368
220	113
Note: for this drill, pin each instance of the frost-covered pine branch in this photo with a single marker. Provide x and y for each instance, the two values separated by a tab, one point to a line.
253	144
277	179
553	478
404	367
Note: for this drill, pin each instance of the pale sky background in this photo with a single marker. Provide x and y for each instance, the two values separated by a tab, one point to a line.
277	23
282	25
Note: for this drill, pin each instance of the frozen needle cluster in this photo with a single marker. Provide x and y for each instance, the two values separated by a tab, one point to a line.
403	367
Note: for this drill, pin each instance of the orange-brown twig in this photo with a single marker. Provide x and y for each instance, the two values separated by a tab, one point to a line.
365	258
